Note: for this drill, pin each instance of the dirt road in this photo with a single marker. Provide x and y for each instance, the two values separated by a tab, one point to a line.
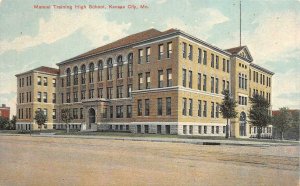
29	160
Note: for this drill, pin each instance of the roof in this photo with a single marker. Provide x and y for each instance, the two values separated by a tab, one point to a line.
235	50
131	39
261	68
44	69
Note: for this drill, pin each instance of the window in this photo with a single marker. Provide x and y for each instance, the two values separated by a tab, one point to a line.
184	77
159	106
227	87
147	107
204	82
169	77
140	56
140	109
22	82
30	80
191	52
148	80
169	49
160	51
212	61
46	112
223	85
204	57
224	129
199	81
148	52
62	97
212	129
109	93
199	55
191	129
109	69
217	85
168	106
205	129
190	79
54	114
62	82
83	72
75	96
104	113
82	94
184	106
191	107
54	82
39	97
140	76
120	67
217	62
227	66
129	89
212	83
217	110
68	77
111	111
53	98
224	65
184	50
184	129
212	111
75	113
119	111
68	97
199	129
119	91
129	111
100	92
160	78
91	93
261	79
39	80
100	70
199	108
130	62
204	108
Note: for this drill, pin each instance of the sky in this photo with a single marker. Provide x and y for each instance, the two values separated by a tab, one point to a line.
30	37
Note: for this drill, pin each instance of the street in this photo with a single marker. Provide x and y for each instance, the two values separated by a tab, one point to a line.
27	160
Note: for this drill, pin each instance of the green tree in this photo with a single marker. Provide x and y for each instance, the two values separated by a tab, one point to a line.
259	113
227	109
3	123
282	121
13	122
40	118
66	117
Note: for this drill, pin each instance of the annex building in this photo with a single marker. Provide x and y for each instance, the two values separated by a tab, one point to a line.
150	82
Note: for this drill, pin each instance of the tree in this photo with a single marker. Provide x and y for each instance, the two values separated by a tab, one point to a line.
40	118
282	121
3	123
66	117
259	113
13	122
227	109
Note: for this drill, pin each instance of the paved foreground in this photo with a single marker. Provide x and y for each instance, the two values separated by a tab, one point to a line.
26	160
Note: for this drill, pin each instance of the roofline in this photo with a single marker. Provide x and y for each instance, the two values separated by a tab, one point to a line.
33	71
117	48
262	69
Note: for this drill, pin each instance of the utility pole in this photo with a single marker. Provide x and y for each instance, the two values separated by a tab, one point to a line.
240	22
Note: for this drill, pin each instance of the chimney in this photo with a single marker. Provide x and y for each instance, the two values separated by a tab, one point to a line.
3	105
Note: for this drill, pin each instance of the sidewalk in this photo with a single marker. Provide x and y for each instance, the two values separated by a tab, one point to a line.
168	140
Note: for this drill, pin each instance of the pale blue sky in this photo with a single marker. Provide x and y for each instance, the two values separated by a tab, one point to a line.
30	38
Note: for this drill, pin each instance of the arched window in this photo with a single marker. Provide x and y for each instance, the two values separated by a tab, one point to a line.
91	72
83	71
130	63
75	70
120	67
68	77
109	69
100	70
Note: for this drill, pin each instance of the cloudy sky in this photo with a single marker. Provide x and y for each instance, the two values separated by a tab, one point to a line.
30	37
